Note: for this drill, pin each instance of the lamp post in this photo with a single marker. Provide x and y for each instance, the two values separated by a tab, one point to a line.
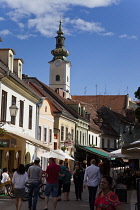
13	110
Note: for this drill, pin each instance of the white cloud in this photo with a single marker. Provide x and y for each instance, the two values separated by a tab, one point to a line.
5	32
86	26
23	36
108	34
21	25
128	37
43	15
1	19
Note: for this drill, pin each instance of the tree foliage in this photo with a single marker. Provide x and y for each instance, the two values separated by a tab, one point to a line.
137	93
137	111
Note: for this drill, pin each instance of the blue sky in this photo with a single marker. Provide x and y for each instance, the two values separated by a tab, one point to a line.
102	36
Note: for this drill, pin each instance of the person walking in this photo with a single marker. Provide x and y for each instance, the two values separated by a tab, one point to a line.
66	184
52	174
34	174
20	177
78	176
61	179
92	173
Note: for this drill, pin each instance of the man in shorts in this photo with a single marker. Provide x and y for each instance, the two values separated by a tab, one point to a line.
52	174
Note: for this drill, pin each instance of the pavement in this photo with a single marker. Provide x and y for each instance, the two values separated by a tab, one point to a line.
7	203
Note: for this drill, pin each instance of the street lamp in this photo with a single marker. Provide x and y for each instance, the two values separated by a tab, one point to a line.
13	112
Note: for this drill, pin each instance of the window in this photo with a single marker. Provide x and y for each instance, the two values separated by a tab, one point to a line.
72	134
62	133
3	105
57	78
83	139
21	112
96	140
115	144
80	137
103	143
45	108
89	139
50	135
13	118
79	110
108	144
45	134
11	62
59	41
92	140
20	70
39	133
30	117
66	133
77	137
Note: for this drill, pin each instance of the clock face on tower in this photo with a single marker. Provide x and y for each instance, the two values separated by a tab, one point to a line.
58	63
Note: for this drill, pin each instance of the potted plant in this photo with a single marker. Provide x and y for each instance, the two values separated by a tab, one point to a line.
2	132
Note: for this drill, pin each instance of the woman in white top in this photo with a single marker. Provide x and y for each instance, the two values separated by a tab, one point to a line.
19	179
5	176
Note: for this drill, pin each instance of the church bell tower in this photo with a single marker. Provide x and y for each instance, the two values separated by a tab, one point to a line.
59	65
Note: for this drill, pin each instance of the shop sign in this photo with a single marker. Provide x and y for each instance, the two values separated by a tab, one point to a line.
7	143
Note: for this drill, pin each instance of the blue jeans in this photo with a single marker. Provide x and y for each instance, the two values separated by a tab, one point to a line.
33	193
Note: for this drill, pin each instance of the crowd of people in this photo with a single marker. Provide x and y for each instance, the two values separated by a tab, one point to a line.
58	180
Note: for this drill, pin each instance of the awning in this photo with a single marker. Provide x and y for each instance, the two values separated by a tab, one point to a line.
65	154
96	151
54	154
118	154
28	139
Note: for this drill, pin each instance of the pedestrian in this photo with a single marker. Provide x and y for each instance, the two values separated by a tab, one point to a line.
106	198
52	174
78	176
92	173
67	184
5	178
20	177
34	174
105	167
60	179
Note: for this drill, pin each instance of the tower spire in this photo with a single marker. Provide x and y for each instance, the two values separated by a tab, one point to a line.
60	52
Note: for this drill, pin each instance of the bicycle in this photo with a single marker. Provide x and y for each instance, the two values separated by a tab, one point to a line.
9	188
41	191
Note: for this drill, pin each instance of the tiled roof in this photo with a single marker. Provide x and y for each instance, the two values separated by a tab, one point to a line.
116	103
59	102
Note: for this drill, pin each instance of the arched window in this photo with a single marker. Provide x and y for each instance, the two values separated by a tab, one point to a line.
57	78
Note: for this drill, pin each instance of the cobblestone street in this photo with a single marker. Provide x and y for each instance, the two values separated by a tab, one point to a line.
7	203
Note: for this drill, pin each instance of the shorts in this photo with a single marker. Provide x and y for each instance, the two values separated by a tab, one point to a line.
66	187
51	189
19	193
